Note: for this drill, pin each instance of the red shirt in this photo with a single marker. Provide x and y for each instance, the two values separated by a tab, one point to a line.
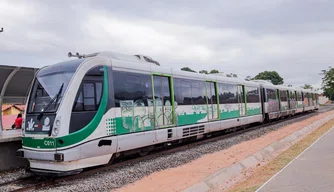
18	122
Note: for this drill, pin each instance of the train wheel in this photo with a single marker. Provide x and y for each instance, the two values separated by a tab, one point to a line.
112	159
143	153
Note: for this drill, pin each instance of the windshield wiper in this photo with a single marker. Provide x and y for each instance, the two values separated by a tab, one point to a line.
56	97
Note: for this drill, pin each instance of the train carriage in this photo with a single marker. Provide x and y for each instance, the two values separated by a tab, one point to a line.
317	104
271	101
309	100
315	100
84	112
278	100
286	106
299	97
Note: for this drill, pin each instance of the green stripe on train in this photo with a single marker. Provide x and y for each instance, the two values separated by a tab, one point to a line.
253	111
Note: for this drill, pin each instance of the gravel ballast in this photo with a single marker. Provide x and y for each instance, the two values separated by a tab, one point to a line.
119	177
13	175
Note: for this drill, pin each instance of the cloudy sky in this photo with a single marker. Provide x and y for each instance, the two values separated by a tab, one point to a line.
293	37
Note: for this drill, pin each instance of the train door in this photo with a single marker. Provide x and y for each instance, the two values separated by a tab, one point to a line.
241	100
213	107
289	99
279	99
163	102
296	99
303	100
312	99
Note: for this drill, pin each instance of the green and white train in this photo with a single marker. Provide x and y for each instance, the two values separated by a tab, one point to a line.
85	112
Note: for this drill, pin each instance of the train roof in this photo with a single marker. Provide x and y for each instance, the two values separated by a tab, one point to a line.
176	72
148	65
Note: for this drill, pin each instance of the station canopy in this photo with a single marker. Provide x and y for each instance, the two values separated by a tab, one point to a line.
15	82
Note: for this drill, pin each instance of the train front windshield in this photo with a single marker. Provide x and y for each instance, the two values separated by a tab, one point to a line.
48	91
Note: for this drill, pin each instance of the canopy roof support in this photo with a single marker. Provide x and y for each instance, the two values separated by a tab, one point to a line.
15	83
3	91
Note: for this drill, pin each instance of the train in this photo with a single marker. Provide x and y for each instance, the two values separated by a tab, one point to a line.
90	110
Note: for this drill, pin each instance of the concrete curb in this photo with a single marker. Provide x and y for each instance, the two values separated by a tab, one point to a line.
229	176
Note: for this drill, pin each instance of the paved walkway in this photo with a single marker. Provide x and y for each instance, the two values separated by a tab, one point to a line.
313	170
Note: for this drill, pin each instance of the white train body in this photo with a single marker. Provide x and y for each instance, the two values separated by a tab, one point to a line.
82	112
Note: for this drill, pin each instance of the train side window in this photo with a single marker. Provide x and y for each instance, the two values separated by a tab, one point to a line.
227	93
252	95
271	94
299	94
283	95
185	90
182	90
292	96
198	93
132	86
135	79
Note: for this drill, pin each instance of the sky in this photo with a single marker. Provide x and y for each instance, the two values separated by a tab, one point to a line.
245	37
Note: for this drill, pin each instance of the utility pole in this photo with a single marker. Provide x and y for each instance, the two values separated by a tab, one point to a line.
1	30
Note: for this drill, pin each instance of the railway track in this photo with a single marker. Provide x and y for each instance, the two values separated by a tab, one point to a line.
37	182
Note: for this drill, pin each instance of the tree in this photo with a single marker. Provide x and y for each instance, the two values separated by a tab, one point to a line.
203	71
328	82
187	69
307	86
214	71
273	76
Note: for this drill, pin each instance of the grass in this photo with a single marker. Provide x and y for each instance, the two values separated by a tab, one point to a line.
262	174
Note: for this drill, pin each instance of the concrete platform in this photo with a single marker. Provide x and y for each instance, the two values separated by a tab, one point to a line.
10	142
313	170
10	135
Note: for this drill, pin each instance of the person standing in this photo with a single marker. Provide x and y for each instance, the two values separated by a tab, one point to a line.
18	121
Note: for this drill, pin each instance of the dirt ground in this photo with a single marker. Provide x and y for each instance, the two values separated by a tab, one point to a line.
180	178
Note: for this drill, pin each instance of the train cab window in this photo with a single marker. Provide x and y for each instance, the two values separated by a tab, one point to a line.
88	99
78	105
98	92
88	96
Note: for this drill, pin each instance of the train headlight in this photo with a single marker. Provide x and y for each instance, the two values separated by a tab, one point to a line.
56	126
58	123
55	131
